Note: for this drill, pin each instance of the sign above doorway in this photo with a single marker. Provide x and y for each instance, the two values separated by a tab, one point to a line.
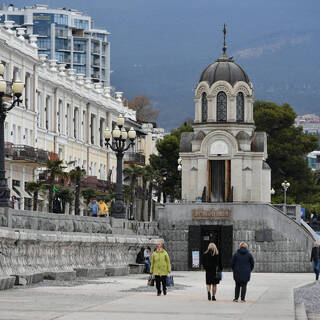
211	214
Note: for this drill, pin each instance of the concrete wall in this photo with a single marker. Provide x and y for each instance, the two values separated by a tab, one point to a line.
288	251
19	219
32	252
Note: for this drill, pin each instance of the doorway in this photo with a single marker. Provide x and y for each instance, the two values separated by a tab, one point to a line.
219	179
201	236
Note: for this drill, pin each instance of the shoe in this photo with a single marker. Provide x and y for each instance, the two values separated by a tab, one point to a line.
164	292
159	293
235	300
243	300
214	298
209	295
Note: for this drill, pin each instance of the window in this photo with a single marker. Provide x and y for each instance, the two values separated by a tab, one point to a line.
62	57
60	115
221	107
18	19
61	19
81	24
43	43
62	44
39	109
79	58
19	135
240	107
84	126
75	122
68	116
204	107
48	107
26	137
27	90
80	69
14	134
79	45
42	23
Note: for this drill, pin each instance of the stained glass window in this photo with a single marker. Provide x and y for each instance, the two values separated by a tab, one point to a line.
204	107
221	107
240	107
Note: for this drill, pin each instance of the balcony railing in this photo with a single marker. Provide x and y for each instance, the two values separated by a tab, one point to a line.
26	153
134	158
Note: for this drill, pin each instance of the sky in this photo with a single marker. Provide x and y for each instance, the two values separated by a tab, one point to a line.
160	48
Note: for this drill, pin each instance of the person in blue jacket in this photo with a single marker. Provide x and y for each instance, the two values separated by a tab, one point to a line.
242	264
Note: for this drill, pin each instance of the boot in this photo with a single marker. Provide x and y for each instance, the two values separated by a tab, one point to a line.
209	295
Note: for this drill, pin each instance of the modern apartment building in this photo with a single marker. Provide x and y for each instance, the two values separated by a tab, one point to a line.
65	35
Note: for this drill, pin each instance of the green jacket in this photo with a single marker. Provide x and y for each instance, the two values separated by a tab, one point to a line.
160	263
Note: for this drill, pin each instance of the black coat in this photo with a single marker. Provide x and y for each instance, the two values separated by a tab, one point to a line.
242	264
211	263
315	254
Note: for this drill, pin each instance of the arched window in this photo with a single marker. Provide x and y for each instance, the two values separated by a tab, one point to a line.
221	107
204	108
240	107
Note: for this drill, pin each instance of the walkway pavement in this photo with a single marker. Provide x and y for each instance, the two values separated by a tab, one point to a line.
270	296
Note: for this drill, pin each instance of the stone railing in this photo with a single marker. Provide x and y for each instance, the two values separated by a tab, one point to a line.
23	219
291	210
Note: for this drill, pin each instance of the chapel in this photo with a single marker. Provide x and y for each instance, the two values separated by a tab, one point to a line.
224	158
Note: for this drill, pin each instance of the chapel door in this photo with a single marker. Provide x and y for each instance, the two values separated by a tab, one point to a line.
219	180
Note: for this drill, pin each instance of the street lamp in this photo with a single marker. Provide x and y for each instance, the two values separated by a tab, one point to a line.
10	94
285	185
179	164
272	191
119	145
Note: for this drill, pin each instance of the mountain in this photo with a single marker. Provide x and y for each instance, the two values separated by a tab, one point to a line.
160	48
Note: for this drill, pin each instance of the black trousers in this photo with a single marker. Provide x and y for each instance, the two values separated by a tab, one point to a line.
243	287
159	280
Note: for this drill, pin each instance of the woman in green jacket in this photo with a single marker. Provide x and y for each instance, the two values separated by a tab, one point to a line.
160	267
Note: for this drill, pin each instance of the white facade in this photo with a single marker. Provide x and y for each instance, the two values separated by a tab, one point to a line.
224	160
62	113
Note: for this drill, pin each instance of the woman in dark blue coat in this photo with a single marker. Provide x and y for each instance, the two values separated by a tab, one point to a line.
242	264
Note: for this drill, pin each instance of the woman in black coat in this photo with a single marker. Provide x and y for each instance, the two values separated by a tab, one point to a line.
212	264
242	264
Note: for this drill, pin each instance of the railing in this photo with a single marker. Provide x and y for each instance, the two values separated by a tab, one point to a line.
134	158
290	210
26	153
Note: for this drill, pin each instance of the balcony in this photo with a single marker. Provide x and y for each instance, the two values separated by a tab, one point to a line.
26	154
134	158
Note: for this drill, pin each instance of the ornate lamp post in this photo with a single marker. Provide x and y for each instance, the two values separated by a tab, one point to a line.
285	185
179	164
119	145
10	94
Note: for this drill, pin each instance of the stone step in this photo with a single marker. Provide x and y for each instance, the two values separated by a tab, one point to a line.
136	268
7	282
90	272
60	275
27	279
117	271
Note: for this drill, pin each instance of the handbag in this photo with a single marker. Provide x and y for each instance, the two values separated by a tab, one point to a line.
218	274
151	281
169	281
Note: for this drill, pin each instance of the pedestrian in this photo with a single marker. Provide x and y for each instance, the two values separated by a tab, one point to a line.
56	205
15	203
147	256
94	207
212	264
242	264
315	259
103	208
160	268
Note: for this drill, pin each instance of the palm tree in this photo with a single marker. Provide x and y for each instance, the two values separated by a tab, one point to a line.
34	187
75	176
54	169
132	174
66	196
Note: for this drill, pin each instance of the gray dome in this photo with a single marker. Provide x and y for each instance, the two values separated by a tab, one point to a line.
224	69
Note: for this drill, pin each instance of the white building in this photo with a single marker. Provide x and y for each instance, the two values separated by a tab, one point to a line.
63	115
223	160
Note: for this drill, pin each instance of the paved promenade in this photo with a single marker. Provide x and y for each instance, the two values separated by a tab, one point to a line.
270	296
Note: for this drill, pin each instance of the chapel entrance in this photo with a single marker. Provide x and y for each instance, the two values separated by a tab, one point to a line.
219	180
201	236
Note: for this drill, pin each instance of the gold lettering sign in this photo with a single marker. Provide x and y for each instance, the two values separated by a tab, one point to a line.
211	214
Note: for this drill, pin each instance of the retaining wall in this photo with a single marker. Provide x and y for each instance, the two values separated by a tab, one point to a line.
287	248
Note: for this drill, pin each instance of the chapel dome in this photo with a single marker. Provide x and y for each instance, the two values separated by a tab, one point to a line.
224	69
